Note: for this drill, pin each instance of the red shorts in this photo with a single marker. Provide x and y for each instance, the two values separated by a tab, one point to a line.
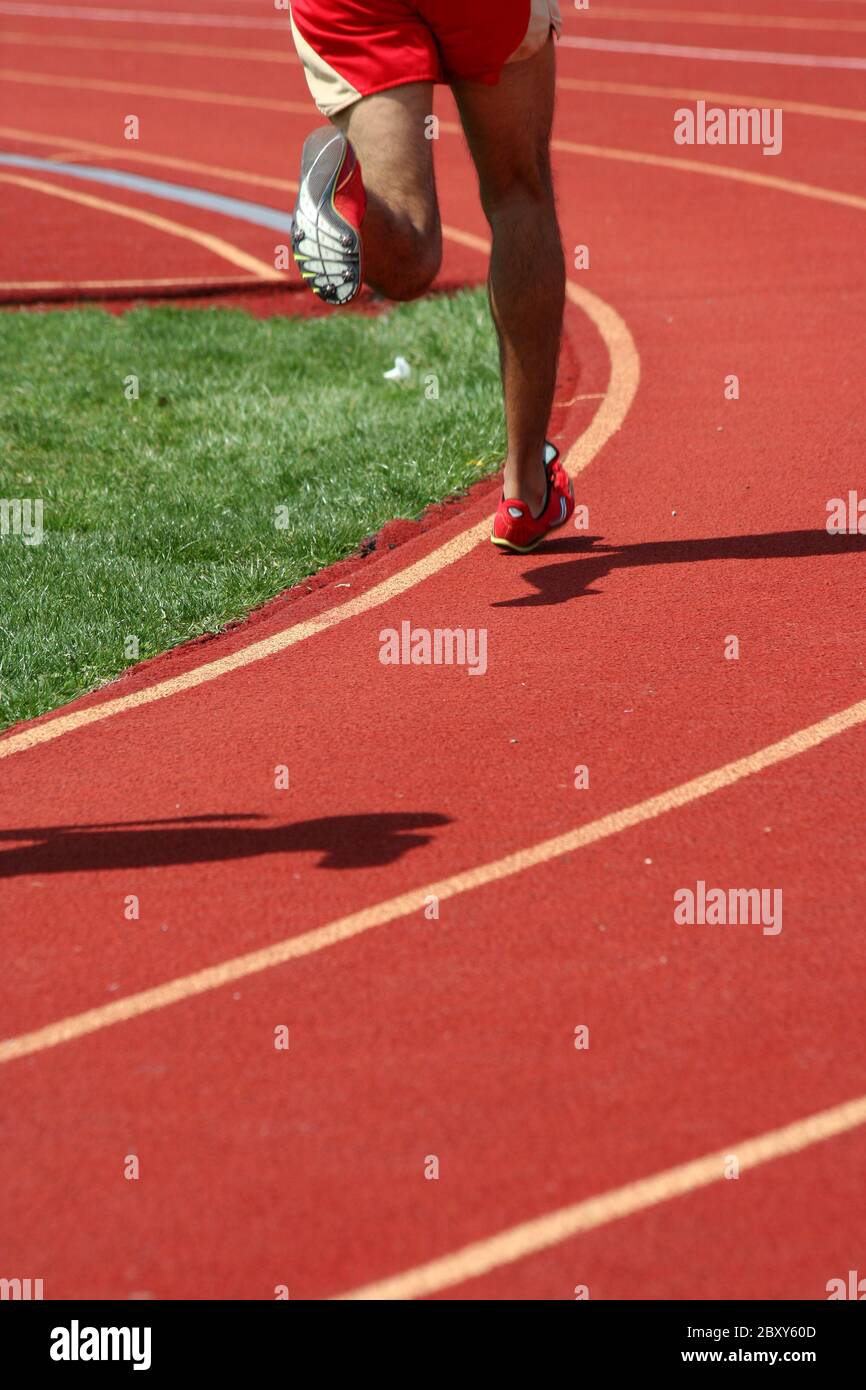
352	48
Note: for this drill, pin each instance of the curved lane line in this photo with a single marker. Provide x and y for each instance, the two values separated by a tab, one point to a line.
530	1237
624	377
188	282
469	880
94	42
714	55
164	161
148	89
199	96
102	15
625	373
719	171
720	18
215	244
256	213
551	1229
659	161
265	55
642	89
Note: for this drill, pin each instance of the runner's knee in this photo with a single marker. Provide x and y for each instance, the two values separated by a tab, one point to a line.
527	182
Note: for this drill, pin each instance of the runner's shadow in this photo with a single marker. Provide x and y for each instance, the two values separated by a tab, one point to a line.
344	842
559	582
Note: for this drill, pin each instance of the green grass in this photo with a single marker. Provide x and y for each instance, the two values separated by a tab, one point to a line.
160	514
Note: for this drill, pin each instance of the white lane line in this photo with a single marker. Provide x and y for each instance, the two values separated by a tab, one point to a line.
531	1237
380	914
715	55
100	15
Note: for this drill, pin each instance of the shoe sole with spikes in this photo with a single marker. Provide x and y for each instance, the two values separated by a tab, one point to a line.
327	247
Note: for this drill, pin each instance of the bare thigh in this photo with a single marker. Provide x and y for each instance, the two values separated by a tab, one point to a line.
508	126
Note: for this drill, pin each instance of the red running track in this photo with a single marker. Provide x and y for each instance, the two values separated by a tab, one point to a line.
453	1038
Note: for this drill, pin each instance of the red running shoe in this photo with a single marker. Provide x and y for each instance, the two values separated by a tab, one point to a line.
326	226
514	526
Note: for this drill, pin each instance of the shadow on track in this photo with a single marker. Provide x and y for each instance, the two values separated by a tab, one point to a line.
345	842
559	582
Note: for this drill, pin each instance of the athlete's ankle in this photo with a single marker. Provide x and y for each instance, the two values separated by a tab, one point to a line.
526	479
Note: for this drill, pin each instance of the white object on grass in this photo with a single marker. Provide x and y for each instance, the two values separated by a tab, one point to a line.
401	371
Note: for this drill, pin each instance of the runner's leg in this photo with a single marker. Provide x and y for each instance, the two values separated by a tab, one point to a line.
508	129
401	230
